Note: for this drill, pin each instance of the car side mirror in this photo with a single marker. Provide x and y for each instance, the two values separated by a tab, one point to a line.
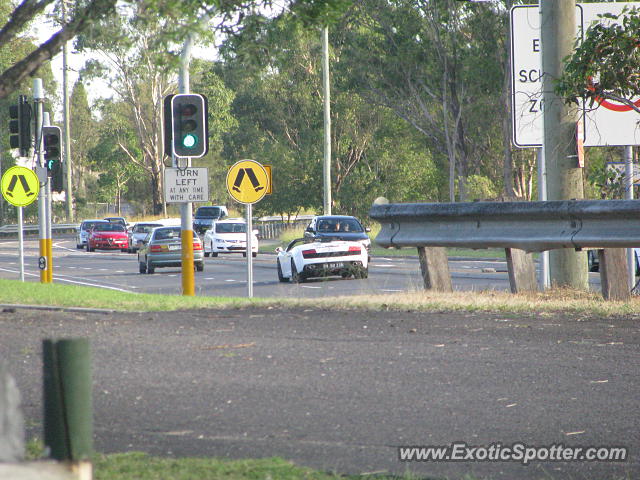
367	229
279	249
309	229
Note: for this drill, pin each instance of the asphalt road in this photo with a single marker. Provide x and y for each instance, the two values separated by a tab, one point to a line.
342	390
226	275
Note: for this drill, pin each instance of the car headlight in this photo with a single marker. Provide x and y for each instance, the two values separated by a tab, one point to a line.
220	240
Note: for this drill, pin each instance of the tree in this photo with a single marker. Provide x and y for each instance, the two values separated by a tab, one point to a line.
84	136
184	15
427	62
606	64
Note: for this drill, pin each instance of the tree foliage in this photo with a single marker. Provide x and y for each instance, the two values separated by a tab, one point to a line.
606	63
182	17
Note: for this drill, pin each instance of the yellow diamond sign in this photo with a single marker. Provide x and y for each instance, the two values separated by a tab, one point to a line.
247	181
20	186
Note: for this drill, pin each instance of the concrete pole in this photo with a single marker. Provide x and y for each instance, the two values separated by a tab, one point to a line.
326	170
564	178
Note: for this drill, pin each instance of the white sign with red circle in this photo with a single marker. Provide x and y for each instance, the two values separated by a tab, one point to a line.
607	123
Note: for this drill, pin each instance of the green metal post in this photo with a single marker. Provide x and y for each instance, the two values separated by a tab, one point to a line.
68	410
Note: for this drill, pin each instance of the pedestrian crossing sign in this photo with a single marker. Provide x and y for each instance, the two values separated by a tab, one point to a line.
20	186
248	181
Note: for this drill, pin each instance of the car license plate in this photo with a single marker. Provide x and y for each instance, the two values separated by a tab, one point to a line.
174	247
335	265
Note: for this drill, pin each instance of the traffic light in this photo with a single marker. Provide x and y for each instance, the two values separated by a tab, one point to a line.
53	156
20	126
186	125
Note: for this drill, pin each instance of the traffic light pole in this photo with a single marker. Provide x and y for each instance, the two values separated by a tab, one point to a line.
186	213
44	199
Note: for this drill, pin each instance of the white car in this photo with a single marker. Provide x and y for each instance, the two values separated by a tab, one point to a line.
82	235
229	236
323	258
139	232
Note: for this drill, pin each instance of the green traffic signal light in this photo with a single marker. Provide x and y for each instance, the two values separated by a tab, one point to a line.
185	125
189	140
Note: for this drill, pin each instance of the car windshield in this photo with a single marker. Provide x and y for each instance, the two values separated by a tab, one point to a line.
143	228
167	233
89	225
208	212
335	225
108	227
231	227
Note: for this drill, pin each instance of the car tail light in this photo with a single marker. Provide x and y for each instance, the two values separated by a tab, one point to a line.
354	250
309	253
197	246
156	248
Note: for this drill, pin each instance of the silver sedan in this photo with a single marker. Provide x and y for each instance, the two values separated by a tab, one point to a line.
163	248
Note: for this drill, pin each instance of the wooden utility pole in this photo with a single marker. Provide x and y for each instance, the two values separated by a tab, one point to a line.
564	177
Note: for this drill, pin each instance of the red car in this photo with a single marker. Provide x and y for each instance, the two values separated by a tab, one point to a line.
108	236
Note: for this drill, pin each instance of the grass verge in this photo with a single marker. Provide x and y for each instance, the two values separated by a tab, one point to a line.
556	300
139	466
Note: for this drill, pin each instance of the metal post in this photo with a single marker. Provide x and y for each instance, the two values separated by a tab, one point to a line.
68	405
46	121
543	279
186	212
249	254
38	98
67	129
628	195
557	29
21	243
327	122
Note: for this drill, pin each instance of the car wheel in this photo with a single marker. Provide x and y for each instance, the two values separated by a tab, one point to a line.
214	254
364	272
124	250
143	267
79	247
200	267
254	254
244	254
281	278
150	268
295	276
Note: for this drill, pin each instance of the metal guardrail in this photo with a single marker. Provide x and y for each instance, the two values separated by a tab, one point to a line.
269	228
529	226
61	227
515	226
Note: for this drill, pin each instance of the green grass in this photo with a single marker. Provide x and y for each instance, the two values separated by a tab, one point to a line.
139	466
57	294
555	300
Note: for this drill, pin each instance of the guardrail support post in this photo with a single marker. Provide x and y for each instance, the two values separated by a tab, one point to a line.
522	272
68	411
434	265
614	273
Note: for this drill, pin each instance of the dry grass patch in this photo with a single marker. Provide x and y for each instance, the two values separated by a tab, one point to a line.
557	300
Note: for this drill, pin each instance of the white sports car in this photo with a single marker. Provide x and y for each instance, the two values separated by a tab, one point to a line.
302	260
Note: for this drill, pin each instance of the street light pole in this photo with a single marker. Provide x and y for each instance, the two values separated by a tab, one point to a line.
326	170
